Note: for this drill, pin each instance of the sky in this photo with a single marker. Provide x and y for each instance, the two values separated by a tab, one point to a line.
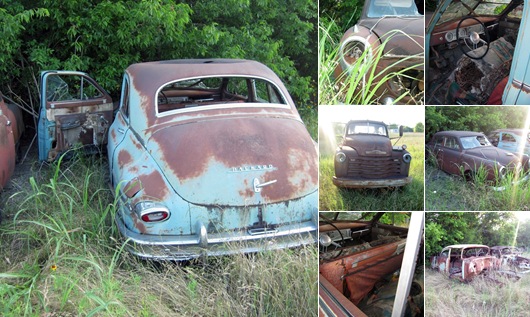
407	115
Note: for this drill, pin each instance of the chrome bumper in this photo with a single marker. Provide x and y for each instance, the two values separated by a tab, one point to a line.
373	183
181	248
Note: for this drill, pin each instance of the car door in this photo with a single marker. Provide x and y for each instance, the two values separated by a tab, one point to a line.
452	153
74	111
508	142
517	90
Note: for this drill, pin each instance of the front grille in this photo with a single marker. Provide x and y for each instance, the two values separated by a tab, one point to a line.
374	167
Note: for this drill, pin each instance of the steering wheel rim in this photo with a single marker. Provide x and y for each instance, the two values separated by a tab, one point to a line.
474	36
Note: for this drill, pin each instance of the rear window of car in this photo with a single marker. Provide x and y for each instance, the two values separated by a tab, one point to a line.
217	92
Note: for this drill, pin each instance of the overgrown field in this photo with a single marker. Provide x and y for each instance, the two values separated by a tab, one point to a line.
480	297
447	192
60	256
407	198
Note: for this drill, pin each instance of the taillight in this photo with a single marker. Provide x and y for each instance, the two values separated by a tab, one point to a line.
155	216
150	211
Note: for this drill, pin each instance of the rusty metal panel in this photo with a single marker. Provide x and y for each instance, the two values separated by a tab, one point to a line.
75	111
331	302
7	148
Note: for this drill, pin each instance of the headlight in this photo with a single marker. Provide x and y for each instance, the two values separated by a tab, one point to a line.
407	157
150	211
352	49
502	171
340	157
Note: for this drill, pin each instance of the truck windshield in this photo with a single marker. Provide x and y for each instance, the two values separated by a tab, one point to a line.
367	128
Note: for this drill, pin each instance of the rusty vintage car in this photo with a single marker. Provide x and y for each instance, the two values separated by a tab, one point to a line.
477	53
210	157
465	261
370	267
465	152
511	256
74	112
399	25
367	159
513	140
11	129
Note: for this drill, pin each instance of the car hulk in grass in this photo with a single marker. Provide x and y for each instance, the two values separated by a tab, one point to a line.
367	159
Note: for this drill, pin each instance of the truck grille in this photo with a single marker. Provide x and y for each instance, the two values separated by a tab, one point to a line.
374	167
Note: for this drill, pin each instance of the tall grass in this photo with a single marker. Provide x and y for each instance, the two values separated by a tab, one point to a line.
409	197
480	297
63	258
364	81
473	192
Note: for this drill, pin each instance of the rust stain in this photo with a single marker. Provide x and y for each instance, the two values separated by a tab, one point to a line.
154	185
124	157
138	223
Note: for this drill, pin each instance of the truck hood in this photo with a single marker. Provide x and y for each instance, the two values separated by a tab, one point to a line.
494	154
237	161
369	145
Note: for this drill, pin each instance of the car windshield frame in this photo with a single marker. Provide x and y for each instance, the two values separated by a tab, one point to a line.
371	128
459	9
472	142
391	8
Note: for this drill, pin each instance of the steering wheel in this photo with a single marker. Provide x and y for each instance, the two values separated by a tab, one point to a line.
473	38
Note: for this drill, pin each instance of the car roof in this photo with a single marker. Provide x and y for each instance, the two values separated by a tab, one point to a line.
459	133
149	76
367	120
516	131
463	246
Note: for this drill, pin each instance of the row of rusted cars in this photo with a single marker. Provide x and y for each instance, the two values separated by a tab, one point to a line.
466	261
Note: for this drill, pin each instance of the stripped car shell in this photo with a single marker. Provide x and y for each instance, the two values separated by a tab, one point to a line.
465	152
360	262
511	256
398	23
74	111
465	261
367	159
207	152
513	140
11	129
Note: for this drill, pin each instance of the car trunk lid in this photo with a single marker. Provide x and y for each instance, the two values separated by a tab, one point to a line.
237	161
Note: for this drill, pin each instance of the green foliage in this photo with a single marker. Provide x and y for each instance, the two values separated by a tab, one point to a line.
104	37
419	127
472	118
447	228
344	13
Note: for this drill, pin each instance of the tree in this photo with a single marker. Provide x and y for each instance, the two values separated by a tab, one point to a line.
419	127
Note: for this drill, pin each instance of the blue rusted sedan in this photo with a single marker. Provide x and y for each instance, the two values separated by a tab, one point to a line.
210	157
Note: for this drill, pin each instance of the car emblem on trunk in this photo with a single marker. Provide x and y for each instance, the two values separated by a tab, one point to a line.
258	186
252	168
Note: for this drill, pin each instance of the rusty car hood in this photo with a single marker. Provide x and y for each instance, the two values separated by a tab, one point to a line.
369	145
408	42
494	154
219	161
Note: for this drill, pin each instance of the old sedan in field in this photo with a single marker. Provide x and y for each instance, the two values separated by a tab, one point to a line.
465	152
367	159
513	140
465	261
11	128
398	26
477	53
210	157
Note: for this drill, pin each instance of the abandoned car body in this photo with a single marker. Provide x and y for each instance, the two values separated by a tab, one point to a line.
359	262
511	140
478	53
11	129
465	261
399	25
511	256
367	159
207	152
464	153
74	111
